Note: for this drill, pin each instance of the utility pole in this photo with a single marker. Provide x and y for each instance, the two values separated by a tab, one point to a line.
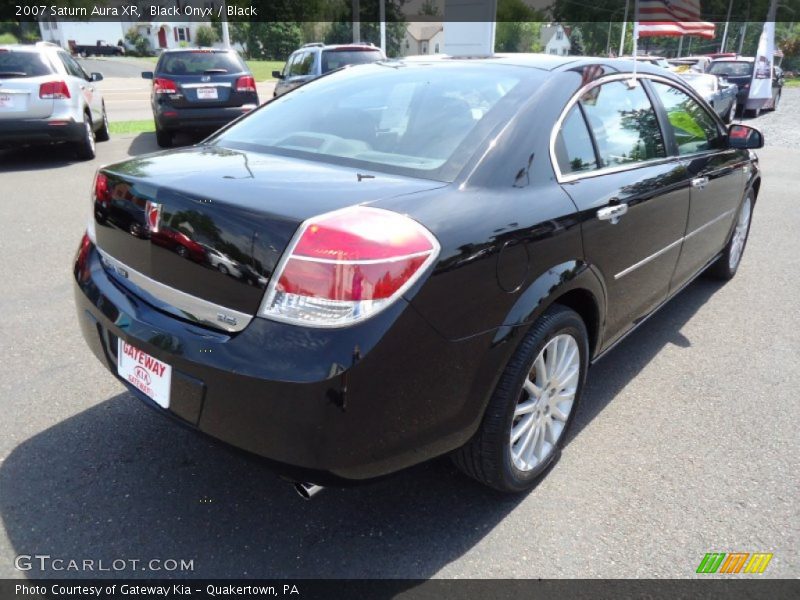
356	21
725	31
226	34
624	28
382	17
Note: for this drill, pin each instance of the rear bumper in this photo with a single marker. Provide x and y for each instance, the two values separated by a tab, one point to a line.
40	131
328	406
206	119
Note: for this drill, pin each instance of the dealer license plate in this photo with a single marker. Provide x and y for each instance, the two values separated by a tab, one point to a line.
207	93
148	374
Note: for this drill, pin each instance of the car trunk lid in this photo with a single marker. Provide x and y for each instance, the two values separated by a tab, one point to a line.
212	222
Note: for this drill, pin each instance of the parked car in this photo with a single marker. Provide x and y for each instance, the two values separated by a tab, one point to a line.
316	59
99	48
739	70
449	246
179	241
695	64
223	263
47	97
199	89
658	61
717	91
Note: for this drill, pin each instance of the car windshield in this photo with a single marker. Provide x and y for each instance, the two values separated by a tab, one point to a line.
22	64
197	63
423	120
731	68
335	59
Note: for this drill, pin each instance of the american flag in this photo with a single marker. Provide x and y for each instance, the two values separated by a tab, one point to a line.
672	17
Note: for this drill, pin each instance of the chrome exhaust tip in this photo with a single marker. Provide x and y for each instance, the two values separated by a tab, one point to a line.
307	490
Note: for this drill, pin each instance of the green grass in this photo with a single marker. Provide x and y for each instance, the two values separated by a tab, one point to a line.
792	82
262	69
119	127
8	38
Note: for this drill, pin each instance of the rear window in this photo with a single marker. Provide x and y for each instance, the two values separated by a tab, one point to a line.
198	63
424	121
336	59
731	68
23	64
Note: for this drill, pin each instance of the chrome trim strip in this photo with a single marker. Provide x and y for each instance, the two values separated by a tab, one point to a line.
655	255
568	178
182	304
207	84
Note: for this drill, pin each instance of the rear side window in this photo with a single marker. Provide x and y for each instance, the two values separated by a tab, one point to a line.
198	63
574	149
336	59
23	64
624	124
695	130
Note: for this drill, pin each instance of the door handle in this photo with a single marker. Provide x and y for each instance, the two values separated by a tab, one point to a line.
699	182
612	213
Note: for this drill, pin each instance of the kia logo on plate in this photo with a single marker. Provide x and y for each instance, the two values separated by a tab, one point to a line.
153	212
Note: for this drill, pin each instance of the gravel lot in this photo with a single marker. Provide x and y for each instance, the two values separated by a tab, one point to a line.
686	441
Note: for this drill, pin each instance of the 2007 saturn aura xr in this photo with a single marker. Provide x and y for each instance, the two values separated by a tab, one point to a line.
407	259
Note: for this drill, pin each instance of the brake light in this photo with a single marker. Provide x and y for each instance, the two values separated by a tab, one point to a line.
164	86
102	193
246	84
346	266
54	90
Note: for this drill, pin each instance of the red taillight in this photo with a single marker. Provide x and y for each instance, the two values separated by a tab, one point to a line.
348	265
102	192
246	84
164	86
54	90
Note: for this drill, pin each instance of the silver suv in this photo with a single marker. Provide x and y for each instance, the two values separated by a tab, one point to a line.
315	59
46	97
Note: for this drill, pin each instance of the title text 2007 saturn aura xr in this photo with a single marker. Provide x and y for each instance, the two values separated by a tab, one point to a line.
408	259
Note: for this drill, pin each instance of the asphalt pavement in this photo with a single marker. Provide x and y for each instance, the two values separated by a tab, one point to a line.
686	441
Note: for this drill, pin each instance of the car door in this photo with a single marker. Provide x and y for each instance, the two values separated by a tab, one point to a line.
715	171
633	199
91	96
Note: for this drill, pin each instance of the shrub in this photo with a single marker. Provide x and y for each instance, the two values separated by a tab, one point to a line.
205	36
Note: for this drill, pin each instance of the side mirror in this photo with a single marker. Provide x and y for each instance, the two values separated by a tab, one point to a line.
744	137
97	76
147	74
277	75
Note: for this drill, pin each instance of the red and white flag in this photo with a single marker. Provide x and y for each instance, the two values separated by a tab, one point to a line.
672	18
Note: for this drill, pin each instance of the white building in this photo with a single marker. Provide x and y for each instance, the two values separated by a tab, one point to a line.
161	34
422	38
554	38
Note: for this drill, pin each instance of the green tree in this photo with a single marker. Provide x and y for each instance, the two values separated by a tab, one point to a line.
205	36
518	27
273	40
576	42
139	42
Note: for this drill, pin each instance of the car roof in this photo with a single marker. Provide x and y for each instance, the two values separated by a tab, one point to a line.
734	59
190	50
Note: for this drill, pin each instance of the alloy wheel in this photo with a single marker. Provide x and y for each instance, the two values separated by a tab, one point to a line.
547	398
89	135
740	234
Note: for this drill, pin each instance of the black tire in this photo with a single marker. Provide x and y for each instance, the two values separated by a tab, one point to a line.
222	269
754	113
487	456
163	138
776	102
182	251
723	268
85	149
135	229
731	113
102	134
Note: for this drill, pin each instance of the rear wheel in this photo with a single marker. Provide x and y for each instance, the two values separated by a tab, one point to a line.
85	148
102	134
525	424
163	137
728	263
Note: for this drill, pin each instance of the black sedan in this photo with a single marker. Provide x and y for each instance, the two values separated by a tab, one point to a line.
199	89
442	249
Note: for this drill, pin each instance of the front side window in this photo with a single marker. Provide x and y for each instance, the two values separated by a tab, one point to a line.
574	149
72	67
304	64
624	124
695	130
